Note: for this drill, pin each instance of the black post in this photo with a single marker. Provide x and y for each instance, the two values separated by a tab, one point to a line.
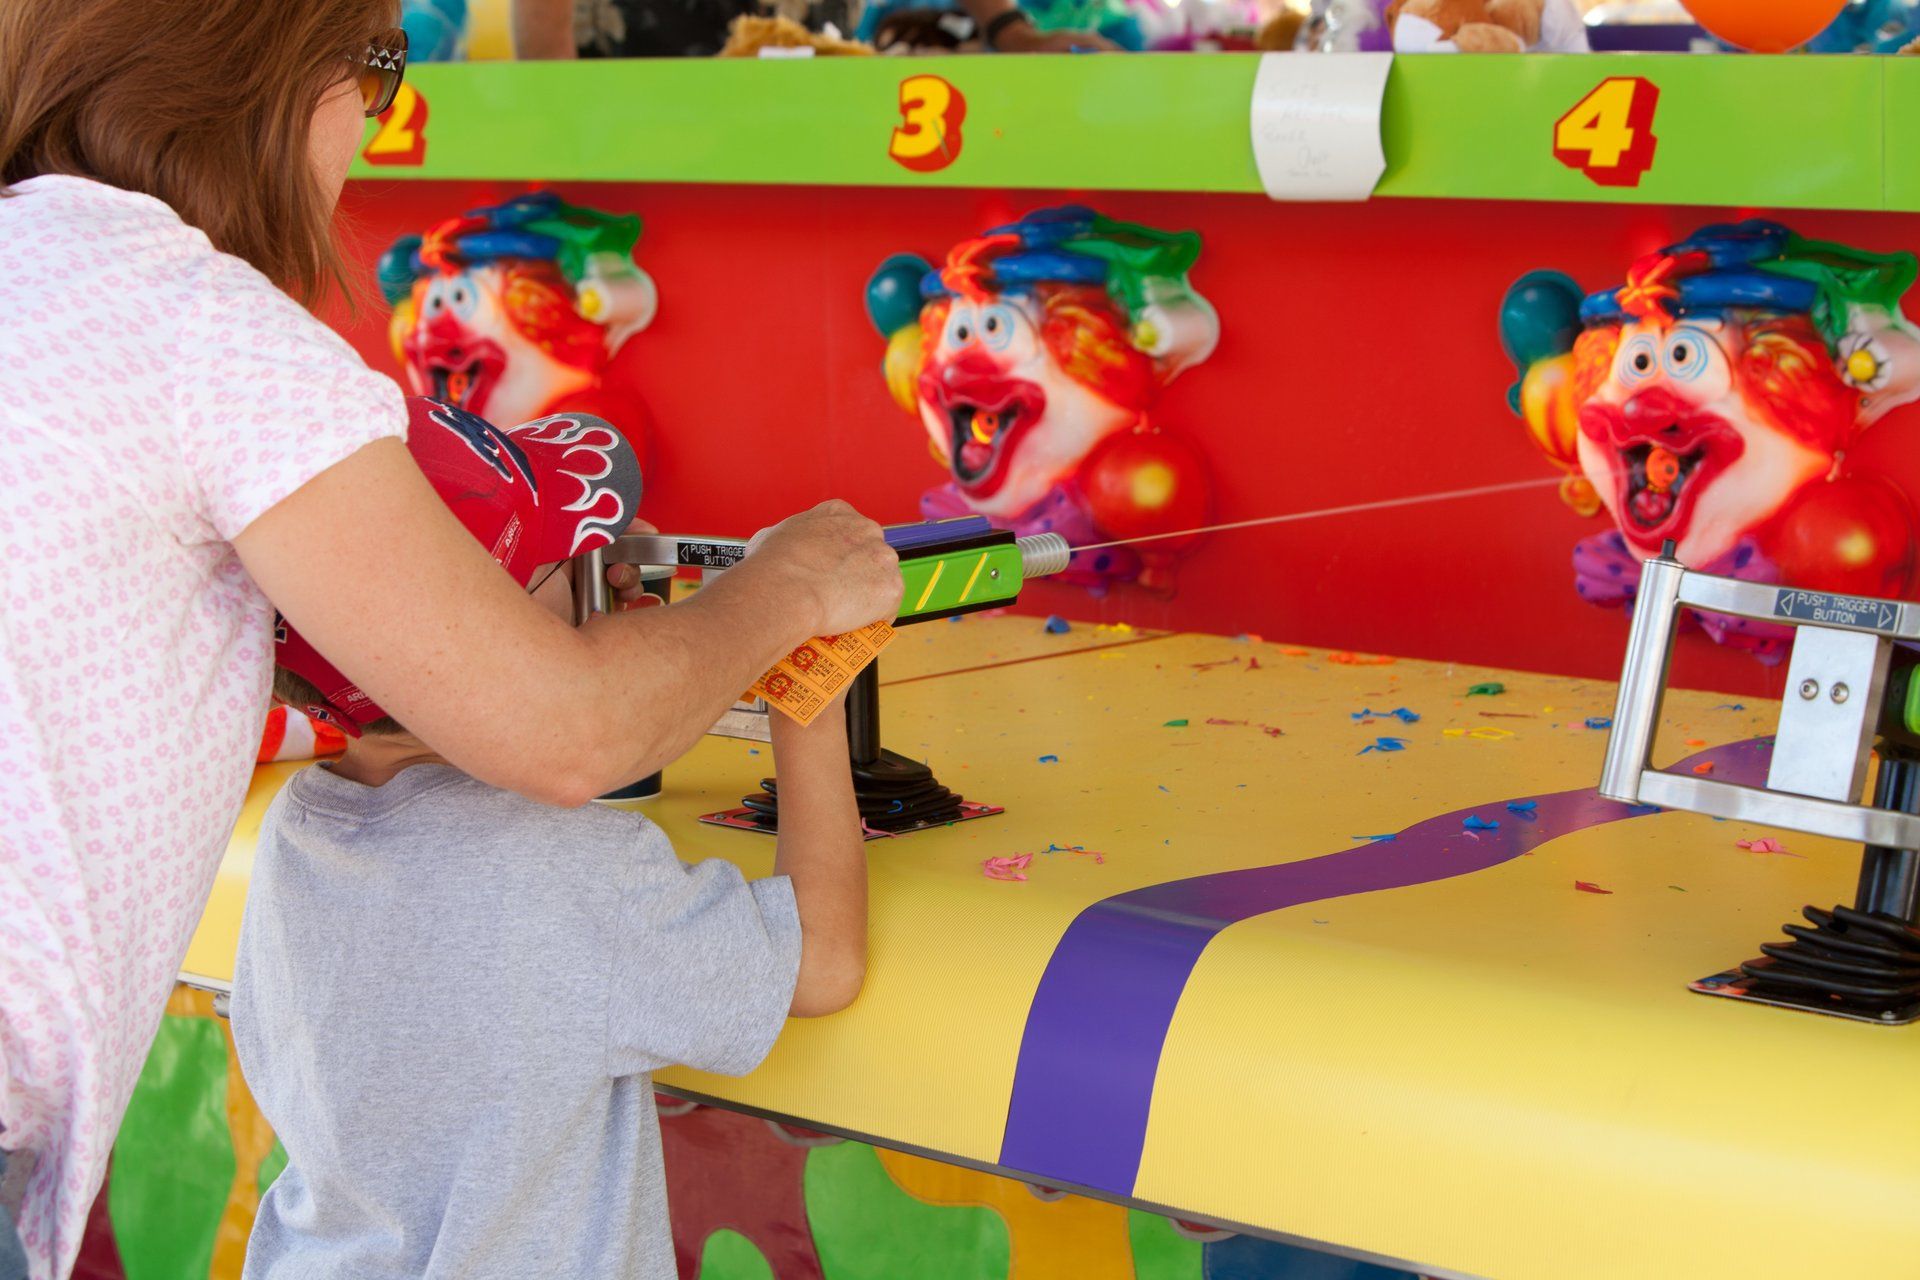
863	716
1890	878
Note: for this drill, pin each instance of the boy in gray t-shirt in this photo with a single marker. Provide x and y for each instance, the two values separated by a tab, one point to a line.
448	997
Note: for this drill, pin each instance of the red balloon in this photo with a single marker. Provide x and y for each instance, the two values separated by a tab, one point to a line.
1853	536
1146	482
1765	26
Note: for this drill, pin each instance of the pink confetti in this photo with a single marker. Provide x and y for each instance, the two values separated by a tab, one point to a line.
1253	664
1013	868
1208	666
1766	844
1218	720
1272	731
875	831
1584	887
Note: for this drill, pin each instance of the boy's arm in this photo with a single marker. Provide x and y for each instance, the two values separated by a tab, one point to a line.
822	853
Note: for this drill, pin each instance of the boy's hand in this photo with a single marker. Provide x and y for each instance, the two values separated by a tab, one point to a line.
628	593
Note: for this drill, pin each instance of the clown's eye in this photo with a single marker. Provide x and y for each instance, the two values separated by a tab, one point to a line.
462	296
1638	360
1688	353
962	327
996	327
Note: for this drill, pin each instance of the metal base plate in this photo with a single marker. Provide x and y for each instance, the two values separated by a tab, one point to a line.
748	820
1735	985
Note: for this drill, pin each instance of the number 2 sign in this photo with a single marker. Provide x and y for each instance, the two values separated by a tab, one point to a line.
401	137
928	137
1608	135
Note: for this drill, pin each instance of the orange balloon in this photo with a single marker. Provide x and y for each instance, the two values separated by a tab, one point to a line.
1765	26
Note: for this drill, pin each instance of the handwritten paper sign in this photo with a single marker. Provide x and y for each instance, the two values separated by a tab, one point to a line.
1316	124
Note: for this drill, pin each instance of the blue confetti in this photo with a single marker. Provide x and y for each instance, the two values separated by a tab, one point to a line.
753	751
1731	706
1049	759
1169	790
1522	806
1475	822
1385	744
1599	722
1401	714
1057	626
956	618
1386	838
896	806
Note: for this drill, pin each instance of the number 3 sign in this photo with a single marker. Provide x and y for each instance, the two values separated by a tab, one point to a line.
401	137
1608	135
928	137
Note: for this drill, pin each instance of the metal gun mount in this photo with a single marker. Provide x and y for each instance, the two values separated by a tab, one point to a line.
1851	693
949	567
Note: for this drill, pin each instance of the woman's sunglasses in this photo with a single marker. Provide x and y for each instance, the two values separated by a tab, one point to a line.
380	70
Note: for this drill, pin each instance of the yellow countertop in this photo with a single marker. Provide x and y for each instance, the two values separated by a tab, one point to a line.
1492	1073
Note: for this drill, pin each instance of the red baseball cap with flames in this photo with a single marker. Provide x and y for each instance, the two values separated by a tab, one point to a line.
534	494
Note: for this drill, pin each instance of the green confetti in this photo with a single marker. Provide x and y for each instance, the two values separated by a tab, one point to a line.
1489	689
1174	724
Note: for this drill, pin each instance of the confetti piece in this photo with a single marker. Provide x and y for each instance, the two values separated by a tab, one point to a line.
1522	806
1294	653
1384	838
1584	887
896	806
1006	868
1049	759
1676	888
1208	666
1174	724
1385	744
1696	742
1218	720
1253	664
1599	722
1453	733
1401	714
875	831
1348	659
1731	706
1474	822
1509	715
1705	766
753	751
1766	844
1169	790
1057	626
1487	733
1490	689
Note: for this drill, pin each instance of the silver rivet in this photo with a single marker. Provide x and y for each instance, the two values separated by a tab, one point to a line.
1840	692
993	573
1809	688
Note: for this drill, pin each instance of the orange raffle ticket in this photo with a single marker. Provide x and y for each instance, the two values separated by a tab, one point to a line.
806	680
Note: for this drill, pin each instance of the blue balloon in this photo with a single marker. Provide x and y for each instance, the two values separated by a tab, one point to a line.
396	271
893	293
1539	318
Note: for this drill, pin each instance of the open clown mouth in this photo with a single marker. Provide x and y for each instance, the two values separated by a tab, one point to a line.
984	423
1657	479
462	373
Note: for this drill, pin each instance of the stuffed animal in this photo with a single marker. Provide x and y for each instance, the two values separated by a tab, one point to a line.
1485	26
750	34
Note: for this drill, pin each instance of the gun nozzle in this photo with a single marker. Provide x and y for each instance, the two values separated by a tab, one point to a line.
1042	554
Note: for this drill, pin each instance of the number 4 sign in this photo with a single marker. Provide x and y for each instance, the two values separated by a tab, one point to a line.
1608	135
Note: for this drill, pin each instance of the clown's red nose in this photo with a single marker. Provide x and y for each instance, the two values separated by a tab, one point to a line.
970	365
1655	410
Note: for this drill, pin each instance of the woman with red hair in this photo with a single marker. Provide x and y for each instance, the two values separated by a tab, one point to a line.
181	443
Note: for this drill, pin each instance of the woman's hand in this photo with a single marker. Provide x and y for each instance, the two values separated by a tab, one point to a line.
832	562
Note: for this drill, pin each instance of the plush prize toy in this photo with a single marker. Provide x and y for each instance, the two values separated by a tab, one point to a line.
1486	26
514	311
1712	399
749	33
1031	359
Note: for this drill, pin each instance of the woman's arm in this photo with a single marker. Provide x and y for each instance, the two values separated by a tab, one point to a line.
543	30
374	570
822	852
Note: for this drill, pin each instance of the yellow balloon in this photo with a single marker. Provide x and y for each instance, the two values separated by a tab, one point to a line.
397	326
902	366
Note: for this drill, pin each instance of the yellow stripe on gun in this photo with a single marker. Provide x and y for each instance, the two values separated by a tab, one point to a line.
974	577
938	567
